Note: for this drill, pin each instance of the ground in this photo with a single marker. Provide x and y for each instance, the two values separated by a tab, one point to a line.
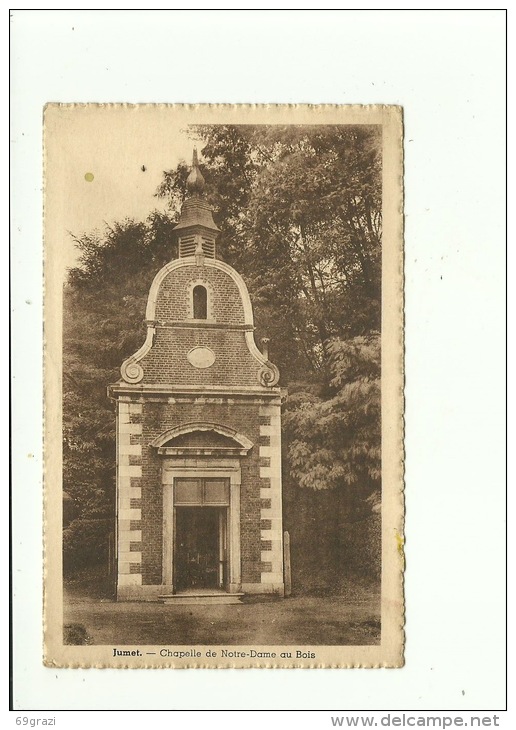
297	620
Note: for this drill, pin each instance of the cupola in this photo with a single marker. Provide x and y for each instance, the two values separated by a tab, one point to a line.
196	230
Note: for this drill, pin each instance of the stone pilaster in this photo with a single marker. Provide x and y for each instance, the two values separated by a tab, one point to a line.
129	497
271	511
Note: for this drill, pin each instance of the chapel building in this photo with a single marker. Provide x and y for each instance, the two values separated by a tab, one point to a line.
199	501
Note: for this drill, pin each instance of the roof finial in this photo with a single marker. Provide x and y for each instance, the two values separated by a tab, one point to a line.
195	180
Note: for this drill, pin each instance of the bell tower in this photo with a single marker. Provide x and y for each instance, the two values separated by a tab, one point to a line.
199	503
196	230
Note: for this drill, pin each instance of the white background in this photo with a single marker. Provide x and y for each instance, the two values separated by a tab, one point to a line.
447	69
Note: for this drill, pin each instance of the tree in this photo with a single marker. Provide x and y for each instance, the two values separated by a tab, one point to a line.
335	441
104	309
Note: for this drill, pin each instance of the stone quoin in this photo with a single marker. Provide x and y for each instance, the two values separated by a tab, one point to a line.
199	500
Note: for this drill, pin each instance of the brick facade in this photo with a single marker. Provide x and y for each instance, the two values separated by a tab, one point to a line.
167	360
227	392
159	416
173	301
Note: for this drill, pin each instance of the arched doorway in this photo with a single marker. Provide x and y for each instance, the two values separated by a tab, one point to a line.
201	479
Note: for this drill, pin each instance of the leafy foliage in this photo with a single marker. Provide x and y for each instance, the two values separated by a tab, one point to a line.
335	442
85	543
104	308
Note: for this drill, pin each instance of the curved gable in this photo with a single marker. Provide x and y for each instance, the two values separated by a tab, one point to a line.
170	297
216	348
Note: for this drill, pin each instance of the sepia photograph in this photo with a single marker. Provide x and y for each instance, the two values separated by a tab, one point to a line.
223	386
257	362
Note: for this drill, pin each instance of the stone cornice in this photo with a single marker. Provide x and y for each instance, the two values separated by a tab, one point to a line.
120	389
203	324
190	451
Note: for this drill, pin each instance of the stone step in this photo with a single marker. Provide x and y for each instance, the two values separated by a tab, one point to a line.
201	599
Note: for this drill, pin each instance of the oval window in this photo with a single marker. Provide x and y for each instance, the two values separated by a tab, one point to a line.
201	357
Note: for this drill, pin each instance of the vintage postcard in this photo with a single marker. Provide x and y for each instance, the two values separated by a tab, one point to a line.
223	386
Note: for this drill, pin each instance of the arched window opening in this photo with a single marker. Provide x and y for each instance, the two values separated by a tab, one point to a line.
200	302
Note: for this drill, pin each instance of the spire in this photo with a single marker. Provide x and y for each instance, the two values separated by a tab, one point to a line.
196	227
195	181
